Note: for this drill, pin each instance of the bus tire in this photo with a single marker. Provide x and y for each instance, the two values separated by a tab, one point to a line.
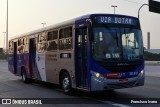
24	76
66	83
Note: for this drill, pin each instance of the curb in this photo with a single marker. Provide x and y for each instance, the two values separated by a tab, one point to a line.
3	60
152	62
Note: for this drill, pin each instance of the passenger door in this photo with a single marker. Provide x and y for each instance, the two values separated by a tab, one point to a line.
81	57
32	56
15	57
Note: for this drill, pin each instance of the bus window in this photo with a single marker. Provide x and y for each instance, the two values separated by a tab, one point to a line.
50	35
26	44
65	37
20	45
61	34
52	40
11	47
42	42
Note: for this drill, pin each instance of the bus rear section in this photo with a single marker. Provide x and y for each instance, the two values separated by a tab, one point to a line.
21	58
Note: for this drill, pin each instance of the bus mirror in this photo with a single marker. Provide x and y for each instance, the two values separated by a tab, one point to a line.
154	6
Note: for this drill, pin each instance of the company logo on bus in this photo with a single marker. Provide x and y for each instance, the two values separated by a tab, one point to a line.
116	20
122	64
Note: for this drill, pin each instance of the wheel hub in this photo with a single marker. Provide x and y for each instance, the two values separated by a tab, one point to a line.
23	77
65	83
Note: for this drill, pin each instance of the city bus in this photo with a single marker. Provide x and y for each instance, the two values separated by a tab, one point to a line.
94	52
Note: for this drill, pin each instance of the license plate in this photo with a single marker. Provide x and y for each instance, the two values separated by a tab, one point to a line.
123	80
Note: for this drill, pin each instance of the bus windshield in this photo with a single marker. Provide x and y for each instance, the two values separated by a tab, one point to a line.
116	44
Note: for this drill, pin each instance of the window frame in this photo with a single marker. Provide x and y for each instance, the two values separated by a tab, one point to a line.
65	38
40	41
53	40
11	47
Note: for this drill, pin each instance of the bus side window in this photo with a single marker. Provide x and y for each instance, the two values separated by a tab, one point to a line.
61	39
11	47
52	39
20	45
26	44
42	42
65	37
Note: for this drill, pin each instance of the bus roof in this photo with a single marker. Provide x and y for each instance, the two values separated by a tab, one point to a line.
68	22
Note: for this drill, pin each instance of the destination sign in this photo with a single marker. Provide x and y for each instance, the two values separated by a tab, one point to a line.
116	20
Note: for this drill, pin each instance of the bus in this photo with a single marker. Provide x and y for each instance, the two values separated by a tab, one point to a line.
94	52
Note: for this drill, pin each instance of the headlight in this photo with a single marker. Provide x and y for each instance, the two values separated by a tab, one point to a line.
97	75
142	72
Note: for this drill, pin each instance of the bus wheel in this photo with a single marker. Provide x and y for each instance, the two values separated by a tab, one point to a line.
66	83
24	76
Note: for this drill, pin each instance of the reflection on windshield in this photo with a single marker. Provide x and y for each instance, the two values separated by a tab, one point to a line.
116	44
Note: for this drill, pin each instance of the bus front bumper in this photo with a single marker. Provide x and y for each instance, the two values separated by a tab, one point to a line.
101	84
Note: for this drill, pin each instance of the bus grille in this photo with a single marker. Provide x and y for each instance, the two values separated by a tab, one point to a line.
116	69
113	67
